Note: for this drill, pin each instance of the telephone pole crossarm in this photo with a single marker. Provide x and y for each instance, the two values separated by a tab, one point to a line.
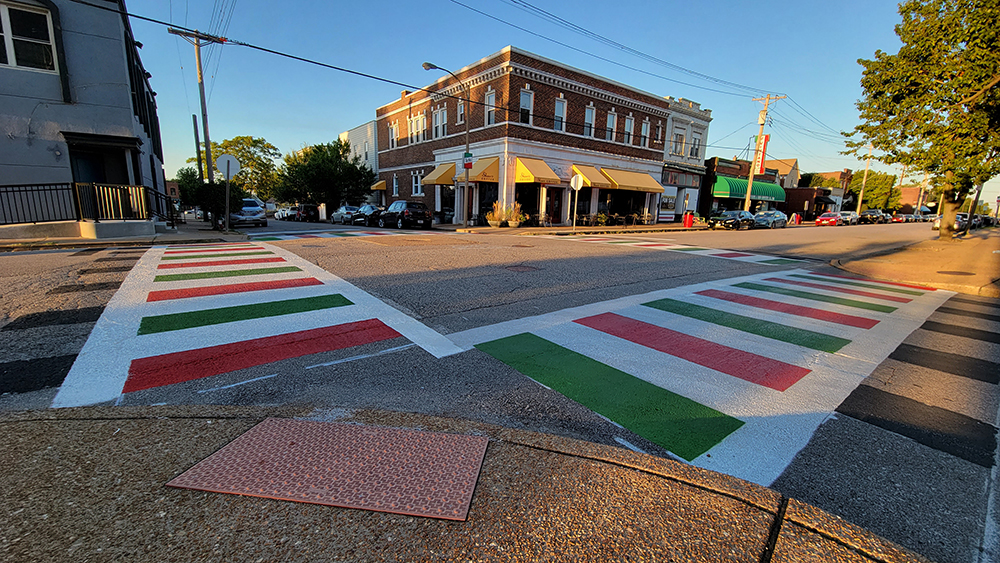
761	119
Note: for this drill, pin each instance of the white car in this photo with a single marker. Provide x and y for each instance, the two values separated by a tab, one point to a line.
850	217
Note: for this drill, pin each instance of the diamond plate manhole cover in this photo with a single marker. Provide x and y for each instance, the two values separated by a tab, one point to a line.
952	273
521	268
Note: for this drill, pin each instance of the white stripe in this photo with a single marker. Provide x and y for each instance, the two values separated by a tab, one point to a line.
238	384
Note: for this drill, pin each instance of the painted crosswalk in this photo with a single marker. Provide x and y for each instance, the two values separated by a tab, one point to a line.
731	375
685	248
216	312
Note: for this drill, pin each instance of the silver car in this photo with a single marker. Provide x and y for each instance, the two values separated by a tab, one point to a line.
850	217
251	213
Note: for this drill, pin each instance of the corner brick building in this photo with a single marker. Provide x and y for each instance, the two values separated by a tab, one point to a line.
534	123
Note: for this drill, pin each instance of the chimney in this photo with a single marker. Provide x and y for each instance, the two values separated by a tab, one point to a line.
404	94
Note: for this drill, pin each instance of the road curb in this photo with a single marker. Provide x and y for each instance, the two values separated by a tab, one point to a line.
991	290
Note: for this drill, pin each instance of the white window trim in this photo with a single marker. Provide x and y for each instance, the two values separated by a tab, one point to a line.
629	138
8	38
695	146
395	186
560	101
531	106
416	187
612	132
460	112
674	149
393	134
644	134
489	108
593	116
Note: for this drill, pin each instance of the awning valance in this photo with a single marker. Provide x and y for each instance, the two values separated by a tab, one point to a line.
484	170
380	185
819	199
626	180
737	188
531	170
592	178
443	174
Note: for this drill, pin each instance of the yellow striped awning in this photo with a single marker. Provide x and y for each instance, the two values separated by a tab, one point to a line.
484	170
591	177
443	174
626	180
531	170
380	185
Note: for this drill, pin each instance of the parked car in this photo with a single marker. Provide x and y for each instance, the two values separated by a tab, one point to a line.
307	212
850	217
830	218
344	214
898	218
252	212
732	220
771	219
872	216
402	213
367	215
281	213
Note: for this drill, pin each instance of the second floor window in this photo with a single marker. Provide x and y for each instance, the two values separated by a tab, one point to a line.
440	122
366	151
644	135
393	136
629	128
678	143
491	110
526	102
460	111
26	38
612	127
418	188
588	122
559	120
659	133
695	146
418	128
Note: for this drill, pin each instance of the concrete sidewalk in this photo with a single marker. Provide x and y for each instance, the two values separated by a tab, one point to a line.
88	484
970	264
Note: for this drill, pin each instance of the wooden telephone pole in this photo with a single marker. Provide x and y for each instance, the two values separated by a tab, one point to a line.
196	40
868	161
758	152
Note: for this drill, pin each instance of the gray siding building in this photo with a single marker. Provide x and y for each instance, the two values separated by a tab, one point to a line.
75	101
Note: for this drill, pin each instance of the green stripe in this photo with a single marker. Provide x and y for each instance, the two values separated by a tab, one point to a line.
180	321
676	423
226	274
858	284
767	329
228	254
688	249
780	261
622	241
818	297
345	234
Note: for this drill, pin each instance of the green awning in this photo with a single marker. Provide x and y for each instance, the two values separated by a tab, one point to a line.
737	188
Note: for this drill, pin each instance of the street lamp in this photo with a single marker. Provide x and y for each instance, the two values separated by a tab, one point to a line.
468	155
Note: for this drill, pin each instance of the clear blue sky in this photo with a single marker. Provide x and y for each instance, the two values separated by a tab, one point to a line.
806	50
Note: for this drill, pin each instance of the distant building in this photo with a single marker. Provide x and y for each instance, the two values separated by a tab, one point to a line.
534	124
726	183
364	144
75	101
788	171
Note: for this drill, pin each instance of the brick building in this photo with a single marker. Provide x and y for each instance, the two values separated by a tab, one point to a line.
725	187
534	123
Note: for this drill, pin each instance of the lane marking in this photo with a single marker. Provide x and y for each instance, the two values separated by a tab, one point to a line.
205	317
237	384
226	274
747	366
178	367
220	263
817	297
362	356
859	284
167	294
209	250
836	289
898	284
189	257
791	309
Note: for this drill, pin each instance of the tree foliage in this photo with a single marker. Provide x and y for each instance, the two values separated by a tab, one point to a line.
816	180
187	183
325	173
258	172
880	190
935	105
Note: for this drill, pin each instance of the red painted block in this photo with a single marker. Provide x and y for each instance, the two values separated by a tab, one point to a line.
220	263
168	294
214	250
838	289
911	286
156	371
797	310
737	363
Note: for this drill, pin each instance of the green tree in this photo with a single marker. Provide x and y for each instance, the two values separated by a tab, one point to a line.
816	180
880	192
324	173
258	171
187	182
211	198
935	104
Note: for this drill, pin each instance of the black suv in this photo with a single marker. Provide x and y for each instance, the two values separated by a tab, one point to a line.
402	213
732	220
872	216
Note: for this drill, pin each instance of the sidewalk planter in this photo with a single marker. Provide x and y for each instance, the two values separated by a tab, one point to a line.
494	224
513	224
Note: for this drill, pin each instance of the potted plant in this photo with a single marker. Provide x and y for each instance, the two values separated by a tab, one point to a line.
515	216
496	215
602	219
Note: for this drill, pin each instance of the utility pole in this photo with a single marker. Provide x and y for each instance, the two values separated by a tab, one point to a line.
761	119
197	149
196	40
864	180
920	197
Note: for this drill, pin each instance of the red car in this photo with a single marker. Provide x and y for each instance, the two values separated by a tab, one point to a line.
830	219
899	218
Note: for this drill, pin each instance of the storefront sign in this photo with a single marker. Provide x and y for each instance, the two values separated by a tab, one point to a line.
761	154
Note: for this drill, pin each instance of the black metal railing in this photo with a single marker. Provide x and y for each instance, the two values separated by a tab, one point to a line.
43	203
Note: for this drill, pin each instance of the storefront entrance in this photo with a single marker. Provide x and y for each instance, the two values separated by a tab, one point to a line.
528	196
554	204
488	193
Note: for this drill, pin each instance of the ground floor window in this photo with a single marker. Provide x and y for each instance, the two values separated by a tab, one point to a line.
582	198
621	202
447	212
528	195
489	192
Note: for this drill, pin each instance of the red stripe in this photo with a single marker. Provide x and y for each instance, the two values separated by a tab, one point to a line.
839	289
911	286
220	263
737	363
211	250
655	244
731	255
809	312
167	294
167	369
204	244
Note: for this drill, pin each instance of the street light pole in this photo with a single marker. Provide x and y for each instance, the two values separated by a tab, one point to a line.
468	155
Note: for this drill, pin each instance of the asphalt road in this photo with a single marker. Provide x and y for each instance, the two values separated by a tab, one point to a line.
859	463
